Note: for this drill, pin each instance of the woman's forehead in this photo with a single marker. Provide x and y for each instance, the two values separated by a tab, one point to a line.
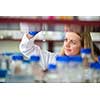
72	35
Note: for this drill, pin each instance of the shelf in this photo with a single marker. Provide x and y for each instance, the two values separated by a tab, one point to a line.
51	43
51	21
39	40
35	40
10	39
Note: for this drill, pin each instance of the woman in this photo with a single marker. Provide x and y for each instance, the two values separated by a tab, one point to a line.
73	42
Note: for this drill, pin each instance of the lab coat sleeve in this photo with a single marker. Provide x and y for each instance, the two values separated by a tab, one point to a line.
28	48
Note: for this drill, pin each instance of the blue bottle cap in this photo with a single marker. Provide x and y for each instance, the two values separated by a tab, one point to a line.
63	58
7	54
3	73
33	33
52	67
35	58
99	58
86	50
17	57
95	65
76	58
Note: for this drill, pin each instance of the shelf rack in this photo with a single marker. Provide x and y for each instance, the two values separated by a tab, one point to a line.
49	21
85	24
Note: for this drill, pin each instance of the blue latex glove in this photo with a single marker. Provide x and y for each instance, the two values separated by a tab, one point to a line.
33	33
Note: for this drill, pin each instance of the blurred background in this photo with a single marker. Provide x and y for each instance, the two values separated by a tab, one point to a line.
12	29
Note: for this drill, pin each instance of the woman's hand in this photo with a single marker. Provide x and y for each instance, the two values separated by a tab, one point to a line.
29	36
32	34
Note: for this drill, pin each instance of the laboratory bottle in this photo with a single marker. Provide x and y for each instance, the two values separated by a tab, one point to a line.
95	72
16	64
62	67
3	69
36	68
75	69
7	58
52	75
87	59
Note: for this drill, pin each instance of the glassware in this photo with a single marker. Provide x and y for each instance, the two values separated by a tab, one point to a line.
44	31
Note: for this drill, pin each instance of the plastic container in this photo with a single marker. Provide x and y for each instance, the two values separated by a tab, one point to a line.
87	59
3	75
95	72
52	76
75	69
37	70
16	64
62	67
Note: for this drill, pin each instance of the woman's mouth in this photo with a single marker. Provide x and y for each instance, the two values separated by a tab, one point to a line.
68	50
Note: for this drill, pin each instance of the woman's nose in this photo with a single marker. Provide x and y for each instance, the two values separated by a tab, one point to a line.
67	44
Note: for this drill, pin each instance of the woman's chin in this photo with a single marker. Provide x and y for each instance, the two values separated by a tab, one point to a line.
68	54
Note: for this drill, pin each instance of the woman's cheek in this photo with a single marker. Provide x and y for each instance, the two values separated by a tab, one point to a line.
75	50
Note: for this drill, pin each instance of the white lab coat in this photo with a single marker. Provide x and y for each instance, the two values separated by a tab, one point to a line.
28	48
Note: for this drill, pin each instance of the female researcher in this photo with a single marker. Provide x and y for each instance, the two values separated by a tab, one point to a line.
73	42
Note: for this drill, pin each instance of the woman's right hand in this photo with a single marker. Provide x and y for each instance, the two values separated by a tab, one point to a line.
31	34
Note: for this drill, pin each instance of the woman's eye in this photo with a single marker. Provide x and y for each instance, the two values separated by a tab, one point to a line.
73	42
65	40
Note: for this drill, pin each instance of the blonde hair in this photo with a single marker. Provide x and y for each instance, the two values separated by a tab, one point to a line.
86	42
89	44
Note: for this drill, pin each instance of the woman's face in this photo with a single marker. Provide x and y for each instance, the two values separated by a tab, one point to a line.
72	44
